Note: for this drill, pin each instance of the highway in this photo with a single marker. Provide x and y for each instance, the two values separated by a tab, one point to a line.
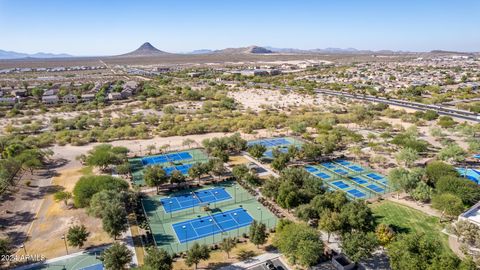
462	114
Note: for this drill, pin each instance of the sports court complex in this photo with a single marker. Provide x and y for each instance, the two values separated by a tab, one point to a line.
281	144
173	161
355	180
178	220
87	260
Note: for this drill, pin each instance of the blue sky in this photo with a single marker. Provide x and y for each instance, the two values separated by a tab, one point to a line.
104	27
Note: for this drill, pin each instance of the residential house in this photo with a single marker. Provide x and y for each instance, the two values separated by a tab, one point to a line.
70	98
126	93
50	100
50	92
19	92
114	96
88	97
131	85
7	101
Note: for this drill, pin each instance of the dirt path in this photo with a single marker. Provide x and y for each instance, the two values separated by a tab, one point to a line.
54	219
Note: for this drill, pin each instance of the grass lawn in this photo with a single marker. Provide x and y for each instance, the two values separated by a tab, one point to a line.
410	220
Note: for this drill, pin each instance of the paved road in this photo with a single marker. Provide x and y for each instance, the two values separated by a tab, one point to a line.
442	110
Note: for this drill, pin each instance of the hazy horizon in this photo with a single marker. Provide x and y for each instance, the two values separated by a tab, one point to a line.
93	28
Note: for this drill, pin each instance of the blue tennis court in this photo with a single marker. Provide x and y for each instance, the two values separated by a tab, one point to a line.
172	157
356	193
375	176
340	184
323	175
212	224
328	165
93	267
376	188
190	200
358	180
340	171
343	162
269	143
311	169
356	168
181	168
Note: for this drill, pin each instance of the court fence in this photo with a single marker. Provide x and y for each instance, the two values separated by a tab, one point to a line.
175	248
160	215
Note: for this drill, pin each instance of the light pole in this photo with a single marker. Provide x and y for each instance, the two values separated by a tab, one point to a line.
235	215
261	213
215	202
170	204
193	201
65	241
185	229
236	194
213	231
24	249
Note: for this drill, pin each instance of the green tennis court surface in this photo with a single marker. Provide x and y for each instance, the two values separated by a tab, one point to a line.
173	161
167	227
85	261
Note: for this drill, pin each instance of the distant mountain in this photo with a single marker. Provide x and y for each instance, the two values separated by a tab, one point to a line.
245	50
201	51
146	49
17	55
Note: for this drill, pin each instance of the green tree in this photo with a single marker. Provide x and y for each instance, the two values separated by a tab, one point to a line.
422	192
102	200
413	251
196	171
77	235
289	238
227	245
404	180
157	259
155	176
309	252
466	190
116	257
114	220
359	245
449	204
87	186
257	150
176	177
105	155
357	216
436	169
280	162
330	222
240	171
445	261
312	151
407	155
196	254
258	233
452	153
